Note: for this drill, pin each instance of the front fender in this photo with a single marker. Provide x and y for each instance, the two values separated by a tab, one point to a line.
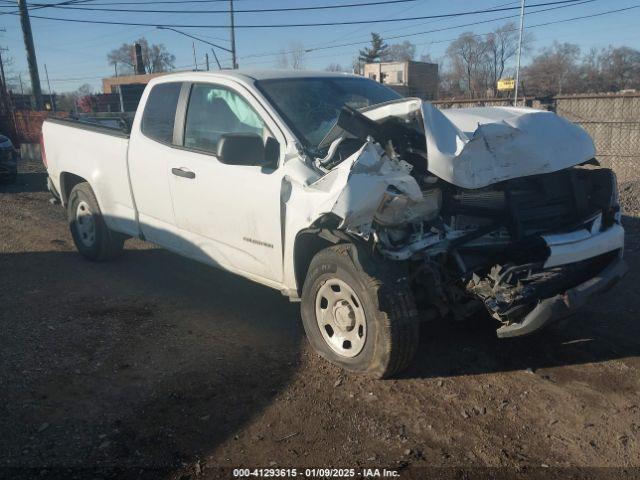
349	195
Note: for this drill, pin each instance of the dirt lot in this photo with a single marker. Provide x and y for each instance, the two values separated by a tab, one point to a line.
154	366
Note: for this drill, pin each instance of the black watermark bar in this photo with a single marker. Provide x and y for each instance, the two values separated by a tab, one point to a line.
407	472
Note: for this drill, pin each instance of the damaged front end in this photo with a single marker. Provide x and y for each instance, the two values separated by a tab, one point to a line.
480	219
524	298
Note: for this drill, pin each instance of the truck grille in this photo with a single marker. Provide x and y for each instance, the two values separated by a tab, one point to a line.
555	202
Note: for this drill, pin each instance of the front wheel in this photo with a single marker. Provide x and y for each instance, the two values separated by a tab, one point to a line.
359	314
92	237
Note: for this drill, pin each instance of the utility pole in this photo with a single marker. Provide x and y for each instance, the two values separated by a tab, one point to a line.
216	57
21	87
515	94
233	36
206	60
195	60
53	105
120	98
200	40
3	87
4	80
31	53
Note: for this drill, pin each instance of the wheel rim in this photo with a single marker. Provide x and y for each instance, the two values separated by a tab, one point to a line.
341	318
85	224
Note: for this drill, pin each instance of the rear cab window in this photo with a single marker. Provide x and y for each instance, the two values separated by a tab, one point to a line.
160	111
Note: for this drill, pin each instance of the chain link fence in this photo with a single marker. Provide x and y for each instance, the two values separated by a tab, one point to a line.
613	121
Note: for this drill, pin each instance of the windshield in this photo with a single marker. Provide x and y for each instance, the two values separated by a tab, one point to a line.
310	106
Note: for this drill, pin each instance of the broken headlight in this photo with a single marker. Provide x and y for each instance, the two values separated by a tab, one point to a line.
397	209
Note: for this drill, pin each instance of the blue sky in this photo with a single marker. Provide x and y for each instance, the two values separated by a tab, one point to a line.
76	53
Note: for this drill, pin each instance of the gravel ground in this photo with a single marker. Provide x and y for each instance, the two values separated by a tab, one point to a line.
155	366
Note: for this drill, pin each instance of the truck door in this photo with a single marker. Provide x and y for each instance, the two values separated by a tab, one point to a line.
231	213
150	153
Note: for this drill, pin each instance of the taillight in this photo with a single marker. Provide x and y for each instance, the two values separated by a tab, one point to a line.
42	152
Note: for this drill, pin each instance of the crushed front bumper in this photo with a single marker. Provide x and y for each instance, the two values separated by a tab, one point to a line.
563	305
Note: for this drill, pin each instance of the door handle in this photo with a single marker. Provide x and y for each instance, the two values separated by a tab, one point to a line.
183	172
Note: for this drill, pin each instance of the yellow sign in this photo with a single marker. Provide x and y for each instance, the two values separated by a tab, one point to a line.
505	84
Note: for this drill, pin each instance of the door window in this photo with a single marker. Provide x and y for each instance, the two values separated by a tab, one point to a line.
160	112
214	111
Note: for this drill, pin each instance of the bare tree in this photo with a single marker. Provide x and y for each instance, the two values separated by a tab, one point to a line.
335	67
357	65
155	57
554	71
502	46
67	101
282	61
426	57
467	55
297	56
10	76
590	73
474	64
292	58
399	52
85	89
620	67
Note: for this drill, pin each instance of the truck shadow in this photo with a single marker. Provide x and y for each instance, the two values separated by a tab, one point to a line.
607	328
27	182
143	363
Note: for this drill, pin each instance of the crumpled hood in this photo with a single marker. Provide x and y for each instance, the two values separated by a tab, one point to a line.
477	147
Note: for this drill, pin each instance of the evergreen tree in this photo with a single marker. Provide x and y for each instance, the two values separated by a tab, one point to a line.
376	51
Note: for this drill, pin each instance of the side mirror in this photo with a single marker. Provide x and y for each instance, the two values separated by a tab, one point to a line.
271	153
247	149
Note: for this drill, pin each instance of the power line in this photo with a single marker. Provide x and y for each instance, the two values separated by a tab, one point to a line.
321	24
337	40
544	24
249	10
66	2
160	2
214	38
553	22
196	38
435	30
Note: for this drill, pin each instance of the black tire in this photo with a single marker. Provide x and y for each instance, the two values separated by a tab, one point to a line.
106	243
392	326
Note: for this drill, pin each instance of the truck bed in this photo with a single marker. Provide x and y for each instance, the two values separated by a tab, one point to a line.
97	154
90	126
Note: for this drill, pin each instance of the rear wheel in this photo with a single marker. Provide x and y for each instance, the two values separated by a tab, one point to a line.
92	237
359	314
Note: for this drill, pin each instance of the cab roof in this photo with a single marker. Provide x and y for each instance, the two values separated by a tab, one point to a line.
262	74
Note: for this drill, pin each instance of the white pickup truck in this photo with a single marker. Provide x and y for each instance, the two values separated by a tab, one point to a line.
373	210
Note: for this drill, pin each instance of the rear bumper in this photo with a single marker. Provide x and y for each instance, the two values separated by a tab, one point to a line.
563	305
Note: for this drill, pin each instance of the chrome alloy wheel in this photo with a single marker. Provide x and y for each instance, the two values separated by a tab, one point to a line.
85	224
341	318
